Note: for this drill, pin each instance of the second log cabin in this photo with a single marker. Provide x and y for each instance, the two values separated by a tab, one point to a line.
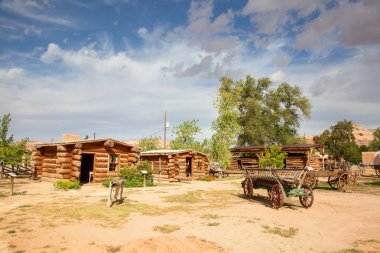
298	156
177	165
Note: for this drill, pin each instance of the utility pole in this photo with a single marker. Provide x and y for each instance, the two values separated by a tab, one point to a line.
166	125
165	131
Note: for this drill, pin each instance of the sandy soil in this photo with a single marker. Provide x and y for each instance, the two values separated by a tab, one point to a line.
197	217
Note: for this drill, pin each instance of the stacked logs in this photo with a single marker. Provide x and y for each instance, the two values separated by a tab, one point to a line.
76	158
296	162
315	162
36	162
64	162
101	167
50	167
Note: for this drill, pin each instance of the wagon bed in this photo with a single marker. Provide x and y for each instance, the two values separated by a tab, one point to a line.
280	183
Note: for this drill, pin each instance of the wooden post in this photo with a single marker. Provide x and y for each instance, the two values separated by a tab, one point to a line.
144	180
12	182
159	169
323	158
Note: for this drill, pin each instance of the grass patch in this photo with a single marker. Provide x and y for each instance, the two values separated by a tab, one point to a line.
210	216
113	249
187	198
350	251
166	228
213	224
286	233
217	197
361	242
67	185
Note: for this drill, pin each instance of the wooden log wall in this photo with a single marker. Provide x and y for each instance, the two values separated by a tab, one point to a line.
76	162
296	161
36	162
315	162
246	161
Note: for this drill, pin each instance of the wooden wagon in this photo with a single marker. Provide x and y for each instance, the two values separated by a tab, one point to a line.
340	176
280	183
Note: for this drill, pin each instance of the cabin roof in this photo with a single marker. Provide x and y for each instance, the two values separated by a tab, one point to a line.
52	144
168	152
286	148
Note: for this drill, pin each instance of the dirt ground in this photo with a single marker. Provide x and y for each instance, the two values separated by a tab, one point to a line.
197	217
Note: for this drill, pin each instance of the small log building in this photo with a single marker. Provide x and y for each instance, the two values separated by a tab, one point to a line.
84	160
298	156
177	165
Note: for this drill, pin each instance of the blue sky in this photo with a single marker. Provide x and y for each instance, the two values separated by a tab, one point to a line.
115	66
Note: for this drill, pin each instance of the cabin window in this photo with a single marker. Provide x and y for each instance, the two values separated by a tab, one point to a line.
113	163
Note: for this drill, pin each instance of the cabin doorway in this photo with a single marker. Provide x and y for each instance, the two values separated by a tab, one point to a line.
188	166
86	168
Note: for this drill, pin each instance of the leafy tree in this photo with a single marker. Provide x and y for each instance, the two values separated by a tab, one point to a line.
251	112
375	143
339	142
226	126
11	152
273	157
185	137
271	115
149	143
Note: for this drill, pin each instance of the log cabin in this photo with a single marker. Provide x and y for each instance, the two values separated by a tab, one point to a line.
86	160
177	165
298	156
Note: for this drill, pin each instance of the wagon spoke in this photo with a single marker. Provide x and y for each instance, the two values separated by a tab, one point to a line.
277	196
307	199
333	182
248	187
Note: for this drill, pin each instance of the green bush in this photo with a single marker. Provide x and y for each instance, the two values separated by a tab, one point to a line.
132	175
207	178
134	178
107	182
67	185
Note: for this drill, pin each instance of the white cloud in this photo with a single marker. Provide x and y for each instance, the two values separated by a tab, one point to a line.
9	74
278	76
34	10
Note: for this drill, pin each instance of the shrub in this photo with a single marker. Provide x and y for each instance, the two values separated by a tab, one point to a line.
107	182
207	178
134	178
67	185
132	175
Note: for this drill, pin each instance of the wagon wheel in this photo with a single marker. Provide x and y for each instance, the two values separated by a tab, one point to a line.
307	200
277	196
343	182
333	182
347	182
377	172
248	187
310	180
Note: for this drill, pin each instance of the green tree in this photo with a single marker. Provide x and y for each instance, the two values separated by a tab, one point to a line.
185	137
271	115
375	143
11	152
149	143
339	141
273	157
251	112
226	127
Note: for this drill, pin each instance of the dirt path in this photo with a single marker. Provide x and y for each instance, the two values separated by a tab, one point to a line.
196	217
